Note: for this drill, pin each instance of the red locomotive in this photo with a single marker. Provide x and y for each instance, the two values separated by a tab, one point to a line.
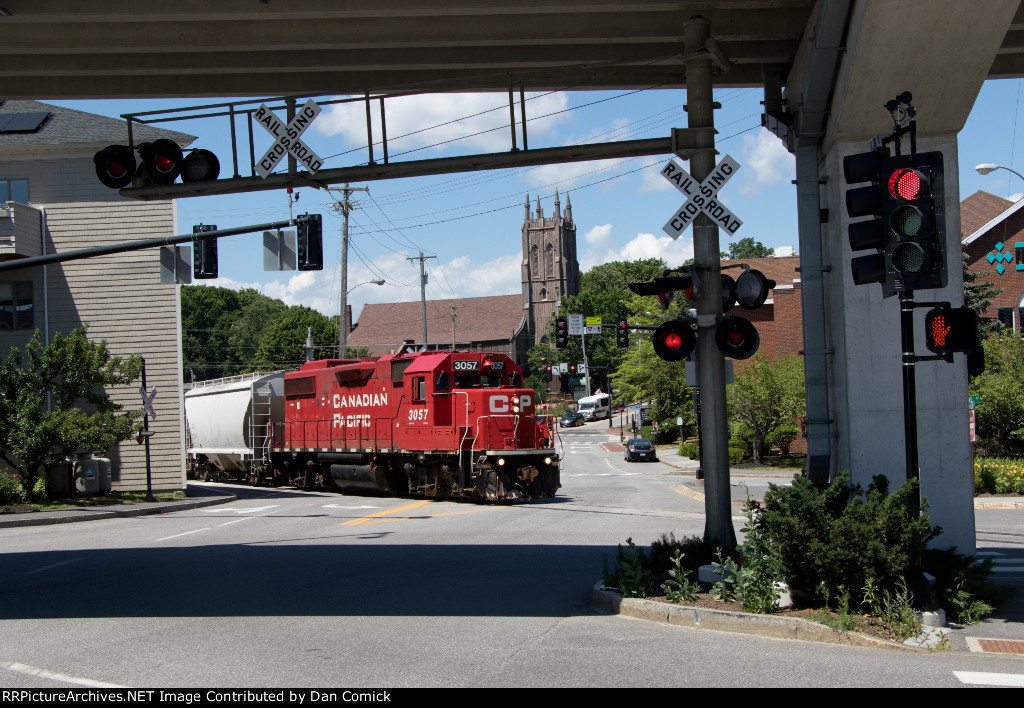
436	424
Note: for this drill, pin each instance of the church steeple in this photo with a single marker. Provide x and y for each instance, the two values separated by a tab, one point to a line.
527	217
558	210
540	210
568	207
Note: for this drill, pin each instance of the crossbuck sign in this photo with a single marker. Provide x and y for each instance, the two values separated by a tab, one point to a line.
701	196
287	138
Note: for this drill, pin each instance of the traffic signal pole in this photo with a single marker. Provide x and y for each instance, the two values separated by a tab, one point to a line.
700	108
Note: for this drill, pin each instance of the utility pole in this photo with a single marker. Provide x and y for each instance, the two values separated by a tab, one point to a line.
453	308
423	291
700	109
344	207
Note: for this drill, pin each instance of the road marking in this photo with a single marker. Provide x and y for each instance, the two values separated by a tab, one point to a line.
981	678
226	523
366	519
340	506
43	673
241	510
52	565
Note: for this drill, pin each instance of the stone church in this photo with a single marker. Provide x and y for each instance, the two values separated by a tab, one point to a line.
508	324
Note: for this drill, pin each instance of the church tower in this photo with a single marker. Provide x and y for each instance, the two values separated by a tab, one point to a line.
550	269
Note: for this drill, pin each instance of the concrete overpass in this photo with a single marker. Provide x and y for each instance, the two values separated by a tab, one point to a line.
827	66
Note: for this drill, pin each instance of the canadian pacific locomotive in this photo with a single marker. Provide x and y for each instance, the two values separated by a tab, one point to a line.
435	424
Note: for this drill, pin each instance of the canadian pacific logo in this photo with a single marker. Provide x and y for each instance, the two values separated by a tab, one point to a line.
360	399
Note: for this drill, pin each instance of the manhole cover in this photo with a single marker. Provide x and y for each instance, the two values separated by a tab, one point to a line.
1001	646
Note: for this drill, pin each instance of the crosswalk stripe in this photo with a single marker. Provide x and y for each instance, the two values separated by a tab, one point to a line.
981	678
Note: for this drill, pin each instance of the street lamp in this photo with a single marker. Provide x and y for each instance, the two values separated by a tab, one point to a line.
989	167
343	319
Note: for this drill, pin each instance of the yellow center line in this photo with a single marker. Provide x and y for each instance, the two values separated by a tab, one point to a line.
365	519
370	520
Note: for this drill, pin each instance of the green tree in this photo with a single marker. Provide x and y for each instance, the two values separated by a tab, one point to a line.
766	394
207	314
283	341
53	402
245	333
1000	413
749	248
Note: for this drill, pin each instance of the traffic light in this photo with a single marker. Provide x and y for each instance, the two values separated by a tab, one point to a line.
310	242
907	226
951	330
561	333
866	201
550	374
204	253
674	340
622	334
736	337
915	216
142	435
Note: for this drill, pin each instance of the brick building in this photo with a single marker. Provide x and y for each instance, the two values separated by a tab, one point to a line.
992	230
51	201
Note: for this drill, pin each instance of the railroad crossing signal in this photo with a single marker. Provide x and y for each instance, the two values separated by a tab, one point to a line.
310	250
674	340
287	138
701	196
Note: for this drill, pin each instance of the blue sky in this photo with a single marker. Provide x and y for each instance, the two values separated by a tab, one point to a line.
471	221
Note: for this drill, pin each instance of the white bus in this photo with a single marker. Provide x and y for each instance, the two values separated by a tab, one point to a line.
596	407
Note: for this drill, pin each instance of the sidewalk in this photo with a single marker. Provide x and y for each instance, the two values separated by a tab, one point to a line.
198	496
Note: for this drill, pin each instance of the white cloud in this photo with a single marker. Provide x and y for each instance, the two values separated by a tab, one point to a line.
602	248
498	276
477	120
567	174
768	162
599	236
783	251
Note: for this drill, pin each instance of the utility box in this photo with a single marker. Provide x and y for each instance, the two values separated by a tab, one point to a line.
103	474
86	477
58	480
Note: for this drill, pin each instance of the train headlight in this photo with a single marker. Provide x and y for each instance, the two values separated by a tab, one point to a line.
547	460
501	462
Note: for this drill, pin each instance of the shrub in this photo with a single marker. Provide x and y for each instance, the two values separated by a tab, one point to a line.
11	491
782	437
690	450
841	537
737	454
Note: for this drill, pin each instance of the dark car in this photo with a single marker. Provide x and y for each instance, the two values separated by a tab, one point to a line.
640	449
570	420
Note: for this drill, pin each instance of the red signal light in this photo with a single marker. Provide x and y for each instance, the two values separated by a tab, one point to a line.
674	340
907	184
737	338
115	166
951	330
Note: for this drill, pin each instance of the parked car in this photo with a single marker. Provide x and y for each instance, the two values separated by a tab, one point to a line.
640	449
570	420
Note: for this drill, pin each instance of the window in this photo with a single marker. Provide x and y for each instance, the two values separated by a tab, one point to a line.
419	389
13	190
16	310
1005	316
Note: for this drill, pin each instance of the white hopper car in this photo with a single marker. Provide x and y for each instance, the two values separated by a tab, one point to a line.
228	423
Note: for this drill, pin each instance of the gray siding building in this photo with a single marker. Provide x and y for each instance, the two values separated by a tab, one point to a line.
50	202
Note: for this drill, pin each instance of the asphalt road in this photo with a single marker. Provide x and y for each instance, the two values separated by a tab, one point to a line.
291	588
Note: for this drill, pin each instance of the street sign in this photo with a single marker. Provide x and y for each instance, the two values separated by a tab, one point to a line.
147	401
701	196
287	138
593	320
592	329
575	325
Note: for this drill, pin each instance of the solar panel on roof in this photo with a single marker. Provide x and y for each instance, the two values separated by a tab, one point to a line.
23	122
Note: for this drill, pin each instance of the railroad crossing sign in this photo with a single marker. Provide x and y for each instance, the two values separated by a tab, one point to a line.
701	196
147	401
287	138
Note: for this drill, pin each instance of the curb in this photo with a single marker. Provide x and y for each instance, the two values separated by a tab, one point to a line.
71	516
737	622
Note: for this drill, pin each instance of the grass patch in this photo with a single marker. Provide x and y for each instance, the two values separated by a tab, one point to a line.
111	499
